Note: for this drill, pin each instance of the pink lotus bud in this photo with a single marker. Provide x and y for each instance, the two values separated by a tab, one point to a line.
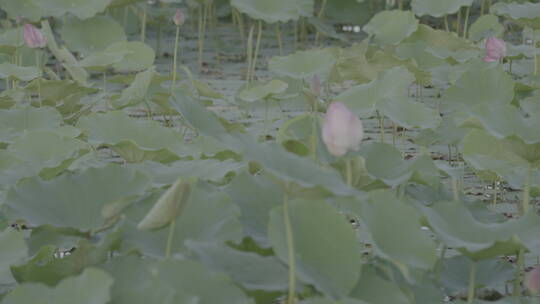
495	49
179	17
533	281
342	130
34	37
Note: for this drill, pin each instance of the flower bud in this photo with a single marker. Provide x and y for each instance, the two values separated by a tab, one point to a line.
532	281
179	17
495	49
342	130
34	37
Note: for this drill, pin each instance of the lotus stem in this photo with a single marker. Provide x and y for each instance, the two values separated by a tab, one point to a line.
455	188
143	25
38	63
394	134
518	276
482	7
278	36
535	68
526	190
170	237
249	52
495	191
295	34
265	130
158	42
446	27
175	56
348	172
290	248
400	4
466	22
320	15
458	25
472	283
125	17
104	82
203	13
381	126
257	47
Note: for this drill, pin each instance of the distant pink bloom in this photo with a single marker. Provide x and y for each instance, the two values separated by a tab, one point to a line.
533	280
495	49
342	129
179	17
34	37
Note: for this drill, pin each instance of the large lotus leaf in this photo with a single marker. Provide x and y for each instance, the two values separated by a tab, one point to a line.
348	11
386	163
142	281
491	86
391	27
329	301
28	9
91	287
275	10
13	37
83	9
55	92
410	114
91	35
525	13
262	91
303	64
14	250
75	200
403	242
204	169
244	268
10	71
363	99
13	168
447	133
459	55
485	26
325	245
47	149
418	52
15	122
439	39
273	158
376	289
208	217
137	92
134	139
255	196
438	8
383	60
100	60
480	240
139	56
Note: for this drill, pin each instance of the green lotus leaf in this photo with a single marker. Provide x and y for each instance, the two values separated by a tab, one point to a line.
244	268
303	64
275	10
59	202
419	52
484	27
91	287
524	13
478	240
171	281
102	59
80	8
263	91
329	301
209	216
28	9
410	114
348	11
460	55
10	71
363	99
332	264
488	85
139	56
91	35
378	289
137	91
13	37
391	27
438	8
255	196
15	122
14	251
386	163
403	242
439	39
134	139
13	168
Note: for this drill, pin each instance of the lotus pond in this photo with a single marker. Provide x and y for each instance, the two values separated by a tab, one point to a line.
269	151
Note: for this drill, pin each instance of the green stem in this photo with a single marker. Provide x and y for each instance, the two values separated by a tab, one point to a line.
168	247
290	248
249	53
472	283
257	47
348	172
203	11
314	129
143	25
265	117
455	190
105	82
158	42
495	192
458	25
526	191
175	55
518	277
278	36
381	126
38	63
446	27
466	22
535	68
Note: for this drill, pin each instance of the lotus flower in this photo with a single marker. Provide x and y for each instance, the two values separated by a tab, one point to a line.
533	280
179	17
495	49
342	130
34	37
